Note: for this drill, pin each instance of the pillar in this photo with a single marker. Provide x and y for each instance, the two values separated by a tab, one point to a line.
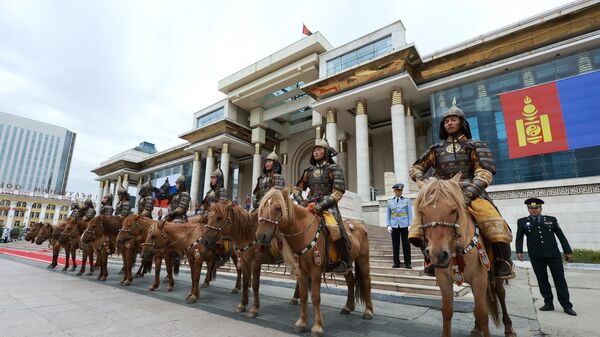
195	188
342	158
363	174
106	188
210	167
256	164
225	165
126	182
116	199
411	140
331	128
399	137
99	198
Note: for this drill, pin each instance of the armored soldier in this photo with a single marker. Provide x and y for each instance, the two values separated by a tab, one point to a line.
217	192
271	177
74	209
325	179
458	153
180	203
87	211
124	205
543	252
146	202
106	204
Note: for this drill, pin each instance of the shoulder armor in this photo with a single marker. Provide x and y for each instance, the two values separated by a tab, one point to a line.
425	153
278	181
339	183
484	155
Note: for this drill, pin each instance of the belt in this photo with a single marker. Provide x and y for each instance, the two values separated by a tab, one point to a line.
399	214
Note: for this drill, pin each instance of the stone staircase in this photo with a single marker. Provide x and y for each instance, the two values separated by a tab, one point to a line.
383	276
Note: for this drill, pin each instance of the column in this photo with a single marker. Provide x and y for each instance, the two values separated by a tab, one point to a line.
134	209
106	188
11	214
331	128
116	199
126	182
43	213
342	157
225	165
256	164
99	198
195	188
56	214
210	167
363	174
411	140
399	137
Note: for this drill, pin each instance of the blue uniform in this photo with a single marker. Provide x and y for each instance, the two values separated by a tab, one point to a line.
399	217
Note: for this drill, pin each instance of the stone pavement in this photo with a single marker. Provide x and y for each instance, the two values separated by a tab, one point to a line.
35	301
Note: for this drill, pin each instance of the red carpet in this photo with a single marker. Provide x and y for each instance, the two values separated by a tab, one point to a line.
36	256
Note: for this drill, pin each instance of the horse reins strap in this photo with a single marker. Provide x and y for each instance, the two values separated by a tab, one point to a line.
439	223
312	244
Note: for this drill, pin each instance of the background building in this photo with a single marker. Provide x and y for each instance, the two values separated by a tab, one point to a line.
34	156
19	209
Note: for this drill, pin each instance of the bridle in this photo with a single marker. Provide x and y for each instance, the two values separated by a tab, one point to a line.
88	230
277	220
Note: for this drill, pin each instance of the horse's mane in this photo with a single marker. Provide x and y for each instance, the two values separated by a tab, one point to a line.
111	223
436	189
243	222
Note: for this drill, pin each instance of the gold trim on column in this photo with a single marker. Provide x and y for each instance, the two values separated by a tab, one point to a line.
397	96
409	111
257	148
319	132
342	146
210	153
361	107
102	185
284	158
125	177
197	155
331	116
225	148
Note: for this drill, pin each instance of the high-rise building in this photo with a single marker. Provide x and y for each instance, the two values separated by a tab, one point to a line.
34	156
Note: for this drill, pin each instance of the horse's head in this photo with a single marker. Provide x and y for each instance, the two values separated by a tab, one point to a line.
155	240
273	215
130	229
71	231
44	234
218	222
440	209
34	230
94	229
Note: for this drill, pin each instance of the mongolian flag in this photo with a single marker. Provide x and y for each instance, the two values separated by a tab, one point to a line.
557	116
305	30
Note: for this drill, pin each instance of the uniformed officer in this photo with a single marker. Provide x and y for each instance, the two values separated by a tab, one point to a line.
399	217
543	252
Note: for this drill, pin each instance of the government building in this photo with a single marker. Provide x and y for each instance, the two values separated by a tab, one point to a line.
530	90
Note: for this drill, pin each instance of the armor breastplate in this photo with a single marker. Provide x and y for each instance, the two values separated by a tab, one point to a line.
264	185
106	209
319	182
212	196
174	202
145	202
452	158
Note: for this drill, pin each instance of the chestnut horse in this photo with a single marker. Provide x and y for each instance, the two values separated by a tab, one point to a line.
51	233
72	235
305	252
129	240
187	237
450	233
101	233
34	229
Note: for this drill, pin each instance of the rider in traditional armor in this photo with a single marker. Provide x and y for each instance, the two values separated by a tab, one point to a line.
74	209
325	179
271	177
146	202
124	205
106	207
87	212
217	190
180	203
458	153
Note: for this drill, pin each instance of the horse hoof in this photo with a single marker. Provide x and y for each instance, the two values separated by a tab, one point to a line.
191	300
103	278
204	285
169	288
51	266
294	301
73	269
126	283
367	316
252	314
345	311
240	308
65	269
235	291
79	273
299	329
316	334
90	273
475	333
152	288
120	272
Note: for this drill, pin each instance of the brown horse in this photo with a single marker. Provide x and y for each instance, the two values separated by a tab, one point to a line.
34	229
51	233
129	240
305	252
72	235
101	233
451	237
228	219
187	237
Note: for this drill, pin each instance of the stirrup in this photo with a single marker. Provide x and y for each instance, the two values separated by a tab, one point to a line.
509	276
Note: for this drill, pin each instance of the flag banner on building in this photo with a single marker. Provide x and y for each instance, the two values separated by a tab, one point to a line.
305	30
161	183
557	116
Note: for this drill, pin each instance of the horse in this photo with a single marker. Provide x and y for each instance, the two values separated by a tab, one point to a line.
187	237
51	233
451	238
304	251
71	235
101	233
34	229
228	219
130	239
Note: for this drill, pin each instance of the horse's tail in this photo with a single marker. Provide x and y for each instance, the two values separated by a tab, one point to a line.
176	265
492	300
360	289
147	265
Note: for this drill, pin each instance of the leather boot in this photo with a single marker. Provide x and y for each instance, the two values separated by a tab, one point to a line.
344	265
503	265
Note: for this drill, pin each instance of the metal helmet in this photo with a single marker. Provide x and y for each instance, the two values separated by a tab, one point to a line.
74	204
121	191
145	189
88	203
329	152
273	155
276	164
219	175
181	181
109	197
455	111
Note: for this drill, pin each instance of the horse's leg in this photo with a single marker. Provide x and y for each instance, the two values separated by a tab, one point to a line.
91	258
479	288
170	280
315	294
55	252
350	299
67	256
104	264
241	307
501	293
157	265
84	257
74	256
364	279
124	256
209	273
445	283
300	325
294	299
197	261
255	289
238	280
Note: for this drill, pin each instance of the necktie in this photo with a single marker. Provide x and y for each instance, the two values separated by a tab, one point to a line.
396	199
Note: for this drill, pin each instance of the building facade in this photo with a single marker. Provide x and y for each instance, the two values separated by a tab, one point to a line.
34	156
379	103
18	209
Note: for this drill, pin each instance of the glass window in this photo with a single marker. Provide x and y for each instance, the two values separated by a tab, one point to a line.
210	117
358	56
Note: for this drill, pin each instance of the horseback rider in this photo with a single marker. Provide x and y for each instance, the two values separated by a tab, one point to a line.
271	177
325	179
74	209
146	203
106	207
180	203
123	208
458	153
217	190
87	212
